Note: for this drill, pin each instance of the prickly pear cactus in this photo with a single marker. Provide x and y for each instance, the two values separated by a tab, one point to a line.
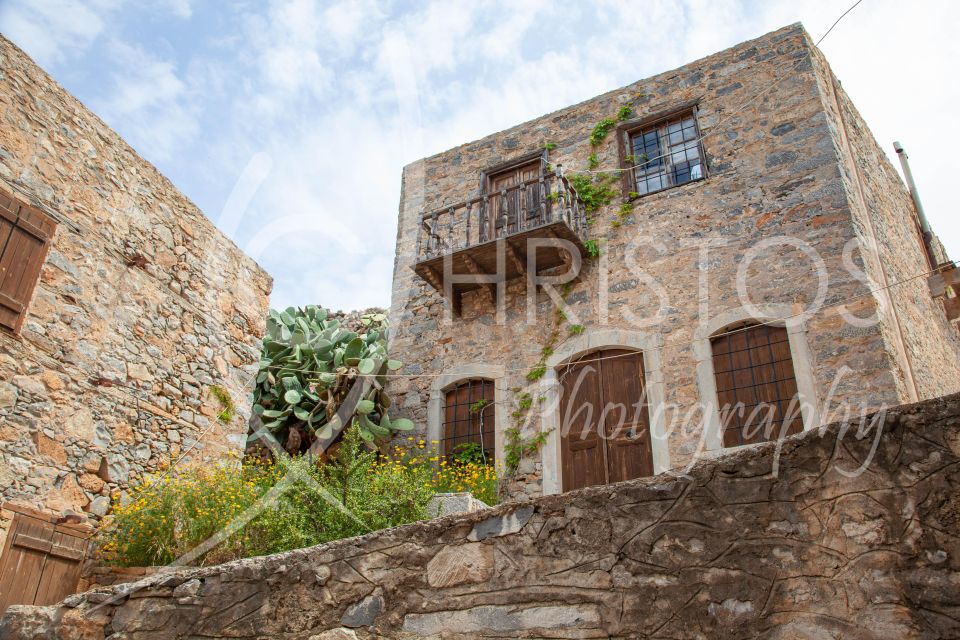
309	364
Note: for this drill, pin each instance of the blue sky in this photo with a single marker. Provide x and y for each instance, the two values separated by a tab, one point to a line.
288	122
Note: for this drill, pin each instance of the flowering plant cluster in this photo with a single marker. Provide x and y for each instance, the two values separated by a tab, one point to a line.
357	491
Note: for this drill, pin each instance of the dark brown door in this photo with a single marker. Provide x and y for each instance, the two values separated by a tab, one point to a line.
41	561
756	385
605	425
509	202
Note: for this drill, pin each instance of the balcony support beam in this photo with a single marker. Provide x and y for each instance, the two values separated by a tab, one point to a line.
565	256
476	270
433	278
516	257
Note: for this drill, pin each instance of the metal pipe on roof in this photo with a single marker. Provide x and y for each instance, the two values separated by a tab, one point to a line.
918	206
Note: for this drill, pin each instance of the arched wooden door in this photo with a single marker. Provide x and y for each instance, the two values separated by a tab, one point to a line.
604	419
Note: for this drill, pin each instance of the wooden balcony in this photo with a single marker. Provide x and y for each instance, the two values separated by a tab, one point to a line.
496	237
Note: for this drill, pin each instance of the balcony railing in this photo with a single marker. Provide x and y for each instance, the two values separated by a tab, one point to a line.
539	203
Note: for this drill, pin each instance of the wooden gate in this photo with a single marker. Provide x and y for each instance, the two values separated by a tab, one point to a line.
605	423
41	559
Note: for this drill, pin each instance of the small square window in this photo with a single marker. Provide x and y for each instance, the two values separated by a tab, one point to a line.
665	154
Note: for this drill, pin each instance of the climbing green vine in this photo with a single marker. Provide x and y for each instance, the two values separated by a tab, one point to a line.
595	191
516	445
600	131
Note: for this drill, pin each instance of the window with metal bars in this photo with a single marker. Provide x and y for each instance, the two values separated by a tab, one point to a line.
470	418
665	154
756	384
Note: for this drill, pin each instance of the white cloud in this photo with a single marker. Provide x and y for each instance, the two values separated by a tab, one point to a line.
337	97
179	8
52	30
148	101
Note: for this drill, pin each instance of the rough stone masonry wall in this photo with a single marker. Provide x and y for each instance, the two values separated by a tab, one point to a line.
730	550
774	169
926	345
111	375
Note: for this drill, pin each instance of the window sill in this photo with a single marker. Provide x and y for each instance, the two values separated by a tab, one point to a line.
644	196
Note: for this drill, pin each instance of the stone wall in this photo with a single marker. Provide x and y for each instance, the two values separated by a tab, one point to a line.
143	306
763	542
777	167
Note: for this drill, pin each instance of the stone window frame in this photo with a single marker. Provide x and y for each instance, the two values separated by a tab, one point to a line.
650	345
778	315
626	130
455	375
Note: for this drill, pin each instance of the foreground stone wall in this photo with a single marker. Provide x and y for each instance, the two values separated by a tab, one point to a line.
730	550
143	306
777	168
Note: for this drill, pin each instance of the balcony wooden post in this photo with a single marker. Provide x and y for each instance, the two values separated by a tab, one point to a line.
485	219
504	213
543	202
451	215
522	207
420	228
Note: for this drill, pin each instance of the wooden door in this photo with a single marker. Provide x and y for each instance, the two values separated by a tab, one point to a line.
509	202
41	561
605	433
755	385
626	416
583	457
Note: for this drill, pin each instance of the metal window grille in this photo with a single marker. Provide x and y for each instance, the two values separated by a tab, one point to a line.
464	416
753	366
667	154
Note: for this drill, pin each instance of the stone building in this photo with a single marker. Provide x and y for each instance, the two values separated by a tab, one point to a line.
128	322
760	264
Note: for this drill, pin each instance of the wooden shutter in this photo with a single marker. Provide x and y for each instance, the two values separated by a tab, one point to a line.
25	235
461	425
41	561
755	385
